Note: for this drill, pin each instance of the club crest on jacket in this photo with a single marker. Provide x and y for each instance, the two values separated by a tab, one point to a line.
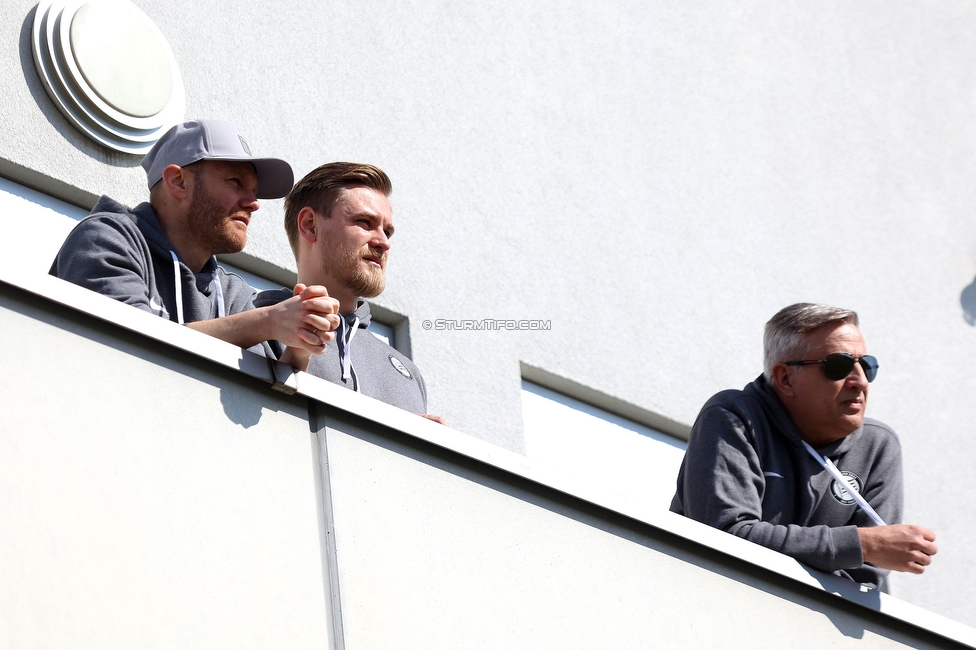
840	492
402	369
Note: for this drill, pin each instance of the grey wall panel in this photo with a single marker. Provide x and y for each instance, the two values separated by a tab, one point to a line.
436	552
148	499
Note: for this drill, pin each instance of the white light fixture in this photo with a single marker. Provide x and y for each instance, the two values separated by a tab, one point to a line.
109	69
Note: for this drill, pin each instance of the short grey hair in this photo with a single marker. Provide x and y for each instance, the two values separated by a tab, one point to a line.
785	336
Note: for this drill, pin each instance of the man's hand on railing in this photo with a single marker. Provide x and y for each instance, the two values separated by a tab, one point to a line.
899	547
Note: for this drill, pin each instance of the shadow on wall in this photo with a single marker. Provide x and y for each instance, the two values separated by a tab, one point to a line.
968	301
240	409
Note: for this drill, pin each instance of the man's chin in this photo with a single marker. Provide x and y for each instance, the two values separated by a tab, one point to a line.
851	423
231	245
370	285
372	291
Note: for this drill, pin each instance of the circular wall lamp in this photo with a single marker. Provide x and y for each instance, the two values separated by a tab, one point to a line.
108	68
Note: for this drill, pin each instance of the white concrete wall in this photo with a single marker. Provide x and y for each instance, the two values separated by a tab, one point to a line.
434	554
591	445
657	179
173	499
146	502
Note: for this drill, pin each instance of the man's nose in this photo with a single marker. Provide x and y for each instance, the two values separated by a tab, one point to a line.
380	240
856	377
250	202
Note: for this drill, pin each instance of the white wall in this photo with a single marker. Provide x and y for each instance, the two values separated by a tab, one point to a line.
174	499
591	446
147	501
657	179
33	226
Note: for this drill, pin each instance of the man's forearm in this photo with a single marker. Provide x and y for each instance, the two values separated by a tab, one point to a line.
822	547
287	323
243	330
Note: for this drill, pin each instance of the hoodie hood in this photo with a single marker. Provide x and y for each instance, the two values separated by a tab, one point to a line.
143	216
124	254
764	392
145	219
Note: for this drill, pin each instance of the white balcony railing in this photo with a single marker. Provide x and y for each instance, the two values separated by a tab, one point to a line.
155	490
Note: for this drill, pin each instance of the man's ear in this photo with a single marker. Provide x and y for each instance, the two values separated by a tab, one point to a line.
783	380
175	181
306	225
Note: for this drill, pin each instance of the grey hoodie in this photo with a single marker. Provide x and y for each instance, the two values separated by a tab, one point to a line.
371	367
124	254
746	472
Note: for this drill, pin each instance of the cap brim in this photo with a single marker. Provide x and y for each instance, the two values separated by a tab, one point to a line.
275	176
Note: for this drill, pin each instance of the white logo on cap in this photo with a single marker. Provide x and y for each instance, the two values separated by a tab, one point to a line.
402	369
247	149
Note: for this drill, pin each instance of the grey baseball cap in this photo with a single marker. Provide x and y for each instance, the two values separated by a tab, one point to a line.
215	140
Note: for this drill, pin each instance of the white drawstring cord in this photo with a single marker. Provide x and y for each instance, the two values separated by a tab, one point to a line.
832	469
179	288
221	310
348	373
220	294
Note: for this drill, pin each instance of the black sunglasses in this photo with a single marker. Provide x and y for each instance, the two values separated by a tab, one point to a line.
840	364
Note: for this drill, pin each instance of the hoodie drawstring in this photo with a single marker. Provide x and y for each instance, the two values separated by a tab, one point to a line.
345	360
177	279
219	292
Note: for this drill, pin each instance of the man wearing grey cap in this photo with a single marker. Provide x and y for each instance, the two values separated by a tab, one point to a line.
159	256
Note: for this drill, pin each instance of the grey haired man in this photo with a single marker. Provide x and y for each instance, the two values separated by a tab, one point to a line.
791	463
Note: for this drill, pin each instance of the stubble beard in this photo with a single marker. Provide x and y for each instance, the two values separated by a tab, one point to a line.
211	224
346	268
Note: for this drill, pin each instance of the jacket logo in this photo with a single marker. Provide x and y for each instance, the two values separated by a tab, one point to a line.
841	493
155	306
400	368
